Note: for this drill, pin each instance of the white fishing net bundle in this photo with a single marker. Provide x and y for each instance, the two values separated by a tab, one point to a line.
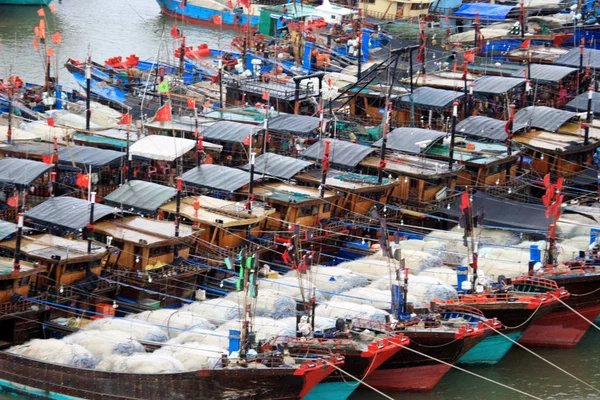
368	295
146	363
581	243
321	323
216	311
138	330
424	289
370	267
290	285
268	303
332	280
173	322
444	274
57	352
105	343
193	356
341	309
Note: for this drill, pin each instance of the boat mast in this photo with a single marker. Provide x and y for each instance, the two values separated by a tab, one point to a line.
177	214
88	79
552	200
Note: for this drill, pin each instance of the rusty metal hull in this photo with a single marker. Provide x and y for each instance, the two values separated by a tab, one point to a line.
45	380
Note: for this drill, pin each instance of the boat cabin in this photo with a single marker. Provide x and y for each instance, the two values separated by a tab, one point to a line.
493	95
410	10
432	107
223	226
291	134
140	197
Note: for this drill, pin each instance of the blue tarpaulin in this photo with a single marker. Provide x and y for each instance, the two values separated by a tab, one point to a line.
486	11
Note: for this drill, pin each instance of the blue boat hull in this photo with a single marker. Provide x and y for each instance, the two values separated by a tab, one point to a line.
206	16
332	391
24	2
490	350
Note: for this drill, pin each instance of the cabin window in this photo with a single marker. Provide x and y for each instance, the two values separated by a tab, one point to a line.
161	250
494	170
307	211
371	195
327	207
414	183
419	6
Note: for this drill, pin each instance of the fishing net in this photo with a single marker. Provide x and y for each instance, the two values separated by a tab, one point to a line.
444	274
216	311
173	322
355	312
290	285
105	343
193	356
141	364
135	329
424	289
321	323
332	280
380	299
368	267
268	303
581	243
57	352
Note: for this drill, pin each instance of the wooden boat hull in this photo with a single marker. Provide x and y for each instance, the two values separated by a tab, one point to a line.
205	16
408	371
50	381
561	327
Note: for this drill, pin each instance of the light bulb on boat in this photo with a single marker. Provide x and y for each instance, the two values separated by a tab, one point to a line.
221	284
62	289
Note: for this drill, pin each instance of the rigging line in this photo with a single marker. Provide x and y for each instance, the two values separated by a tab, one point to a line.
360	381
469	372
576	312
543	359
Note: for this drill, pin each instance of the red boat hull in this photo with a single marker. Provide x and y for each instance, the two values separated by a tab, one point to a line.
415	379
561	328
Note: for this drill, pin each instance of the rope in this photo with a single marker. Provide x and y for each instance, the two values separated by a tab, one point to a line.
469	372
576	312
526	321
544	360
360	381
584	294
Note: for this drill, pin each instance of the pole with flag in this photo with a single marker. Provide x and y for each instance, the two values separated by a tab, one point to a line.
17	260
126	119
588	119
90	227
55	172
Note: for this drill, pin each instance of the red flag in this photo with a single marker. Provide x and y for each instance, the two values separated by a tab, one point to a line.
525	44
230	4
164	113
217	20
48	159
50	121
36	30
125	119
464	201
175	32
36	44
50	52
52	8
182	4
286	257
245	3
82	180
246	141
56	38
469	55
13	201
41	12
191	103
547	180
42	29
265	95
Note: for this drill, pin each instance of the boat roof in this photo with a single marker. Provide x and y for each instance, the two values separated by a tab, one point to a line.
166	148
496	85
484	11
431	98
181	124
546	73
248	115
46	246
591	57
481	153
218	212
483	128
541	117
287	193
415	166
342	154
148	232
302	125
85	156
411	140
218	177
278	166
140	196
229	131
579	103
345	180
26	269
7	229
66	212
21	172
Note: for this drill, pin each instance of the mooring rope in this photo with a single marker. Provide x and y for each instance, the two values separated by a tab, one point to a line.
360	381
470	373
578	313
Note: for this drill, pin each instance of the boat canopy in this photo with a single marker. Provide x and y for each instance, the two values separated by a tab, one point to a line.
83	156
342	154
485	11
302	125
20	172
217	177
579	103
140	196
165	148
229	131
66	212
483	128
541	117
546	73
591	57
496	85
7	229
500	212
431	98
411	140
278	166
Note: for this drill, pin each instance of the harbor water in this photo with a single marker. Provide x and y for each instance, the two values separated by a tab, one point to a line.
108	28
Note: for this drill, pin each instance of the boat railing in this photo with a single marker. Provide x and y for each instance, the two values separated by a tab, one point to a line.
424	206
21	305
460	308
9	214
276	90
313	344
536	281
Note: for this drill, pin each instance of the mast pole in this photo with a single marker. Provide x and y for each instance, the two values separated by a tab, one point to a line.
588	119
10	100
324	168
17	261
359	37
452	135
91	224
177	214
88	80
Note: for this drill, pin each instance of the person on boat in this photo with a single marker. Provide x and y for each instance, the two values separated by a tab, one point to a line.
304	327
